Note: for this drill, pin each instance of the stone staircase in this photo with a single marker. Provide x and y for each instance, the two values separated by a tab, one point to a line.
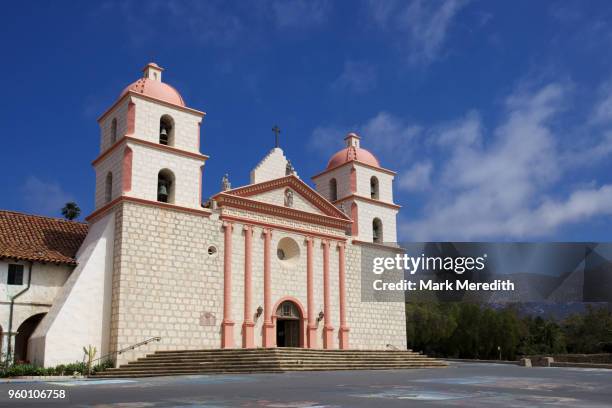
272	360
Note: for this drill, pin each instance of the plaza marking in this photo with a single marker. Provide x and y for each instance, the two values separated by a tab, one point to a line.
90	382
212	379
459	380
411	394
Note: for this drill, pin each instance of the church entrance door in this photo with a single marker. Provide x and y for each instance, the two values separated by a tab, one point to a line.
288	325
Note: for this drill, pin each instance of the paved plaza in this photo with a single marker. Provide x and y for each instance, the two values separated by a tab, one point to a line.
460	385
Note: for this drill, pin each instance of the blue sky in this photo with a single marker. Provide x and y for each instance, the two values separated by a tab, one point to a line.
496	115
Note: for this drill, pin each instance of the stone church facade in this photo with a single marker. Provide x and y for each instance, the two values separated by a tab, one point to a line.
274	263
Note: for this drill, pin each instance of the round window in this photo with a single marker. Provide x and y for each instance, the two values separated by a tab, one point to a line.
288	252
212	250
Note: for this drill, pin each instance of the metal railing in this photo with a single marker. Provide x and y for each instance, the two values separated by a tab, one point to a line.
123	350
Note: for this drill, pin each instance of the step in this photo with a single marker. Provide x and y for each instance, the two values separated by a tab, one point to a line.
271	365
269	360
161	372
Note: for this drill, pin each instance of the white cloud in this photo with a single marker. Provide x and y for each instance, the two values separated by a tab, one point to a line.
359	77
424	24
580	205
502	183
502	190
390	136
44	197
602	112
385	135
417	178
466	131
328	138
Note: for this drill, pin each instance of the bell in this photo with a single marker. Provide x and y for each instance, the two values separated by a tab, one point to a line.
162	192
163	136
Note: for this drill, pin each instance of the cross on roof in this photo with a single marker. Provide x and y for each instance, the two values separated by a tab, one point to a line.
276	131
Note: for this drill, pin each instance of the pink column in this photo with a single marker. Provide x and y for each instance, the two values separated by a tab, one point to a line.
269	337
248	325
344	330
227	326
131	119
311	336
126	177
328	330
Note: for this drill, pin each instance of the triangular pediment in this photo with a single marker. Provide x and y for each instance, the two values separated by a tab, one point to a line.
303	196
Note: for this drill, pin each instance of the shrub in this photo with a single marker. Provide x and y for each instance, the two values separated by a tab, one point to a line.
18	370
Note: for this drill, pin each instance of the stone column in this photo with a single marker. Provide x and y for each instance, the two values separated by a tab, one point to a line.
227	326
344	330
269	337
248	324
328	330
311	328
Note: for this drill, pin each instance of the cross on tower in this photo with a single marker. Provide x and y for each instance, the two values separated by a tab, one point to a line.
276	131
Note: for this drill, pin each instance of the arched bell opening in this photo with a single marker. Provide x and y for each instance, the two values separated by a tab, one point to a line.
165	186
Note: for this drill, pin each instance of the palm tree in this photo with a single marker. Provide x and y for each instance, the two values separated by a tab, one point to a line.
71	211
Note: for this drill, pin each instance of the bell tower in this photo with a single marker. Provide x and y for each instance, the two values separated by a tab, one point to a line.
356	183
150	146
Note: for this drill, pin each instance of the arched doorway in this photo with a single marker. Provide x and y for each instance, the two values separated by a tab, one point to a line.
24	332
289	324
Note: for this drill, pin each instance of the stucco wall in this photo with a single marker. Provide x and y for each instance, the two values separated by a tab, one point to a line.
148	115
112	163
343	182
271	167
119	112
46	283
367	211
80	313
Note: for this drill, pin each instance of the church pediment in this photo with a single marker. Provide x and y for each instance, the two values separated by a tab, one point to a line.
270	197
301	197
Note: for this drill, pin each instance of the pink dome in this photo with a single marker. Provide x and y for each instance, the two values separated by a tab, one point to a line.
352	153
155	89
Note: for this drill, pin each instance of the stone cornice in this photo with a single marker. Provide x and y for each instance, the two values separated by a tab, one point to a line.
105	209
353	162
369	200
378	246
131	93
268	227
164	148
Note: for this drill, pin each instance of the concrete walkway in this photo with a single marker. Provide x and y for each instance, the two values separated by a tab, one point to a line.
460	385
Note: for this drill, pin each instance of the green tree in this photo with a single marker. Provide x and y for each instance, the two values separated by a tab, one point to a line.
71	211
589	332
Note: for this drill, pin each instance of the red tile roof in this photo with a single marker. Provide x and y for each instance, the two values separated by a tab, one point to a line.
40	239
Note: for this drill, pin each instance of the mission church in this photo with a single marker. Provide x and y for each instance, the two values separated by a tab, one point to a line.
274	263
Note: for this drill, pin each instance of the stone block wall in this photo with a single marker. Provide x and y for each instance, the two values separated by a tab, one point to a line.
146	165
373	325
165	280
